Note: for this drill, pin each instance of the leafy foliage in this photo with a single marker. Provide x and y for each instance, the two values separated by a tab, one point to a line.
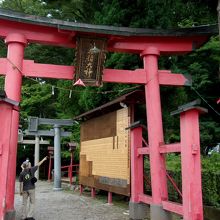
210	178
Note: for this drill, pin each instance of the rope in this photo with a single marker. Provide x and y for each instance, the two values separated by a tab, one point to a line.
205	100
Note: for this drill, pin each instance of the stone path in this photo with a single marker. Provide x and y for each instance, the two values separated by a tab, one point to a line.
65	205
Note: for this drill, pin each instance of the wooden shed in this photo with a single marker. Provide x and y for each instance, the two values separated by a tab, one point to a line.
105	144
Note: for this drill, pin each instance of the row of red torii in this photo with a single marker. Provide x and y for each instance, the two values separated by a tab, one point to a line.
18	30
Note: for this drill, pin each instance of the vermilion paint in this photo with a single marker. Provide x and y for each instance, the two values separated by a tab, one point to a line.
155	126
13	82
191	165
6	120
17	34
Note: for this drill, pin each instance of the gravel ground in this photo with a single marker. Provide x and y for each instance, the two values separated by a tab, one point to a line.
65	205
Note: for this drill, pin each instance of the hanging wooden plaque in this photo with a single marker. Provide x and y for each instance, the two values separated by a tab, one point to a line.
90	58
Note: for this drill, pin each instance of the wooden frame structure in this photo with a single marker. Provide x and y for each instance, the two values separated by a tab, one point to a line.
105	144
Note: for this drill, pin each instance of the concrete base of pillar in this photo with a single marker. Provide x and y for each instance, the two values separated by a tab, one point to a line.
157	212
57	189
137	211
10	215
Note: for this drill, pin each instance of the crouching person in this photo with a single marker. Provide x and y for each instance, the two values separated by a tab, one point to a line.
27	189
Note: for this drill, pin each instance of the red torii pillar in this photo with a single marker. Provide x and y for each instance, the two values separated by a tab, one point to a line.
6	115
155	138
155	132
13	83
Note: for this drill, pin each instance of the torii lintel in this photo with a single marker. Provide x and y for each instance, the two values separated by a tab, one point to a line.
120	39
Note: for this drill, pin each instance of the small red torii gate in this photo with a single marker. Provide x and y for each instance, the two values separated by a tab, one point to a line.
18	30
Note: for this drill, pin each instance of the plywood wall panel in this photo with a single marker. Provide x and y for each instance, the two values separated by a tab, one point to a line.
99	127
106	156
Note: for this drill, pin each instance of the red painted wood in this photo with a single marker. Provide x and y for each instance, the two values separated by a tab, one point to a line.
130	44
155	128
143	150
13	81
31	69
145	143
137	169
139	76
71	169
173	207
5	121
124	76
81	189
170	148
93	192
145	199
75	165
110	198
174	184
173	79
38	34
191	165
166	45
49	169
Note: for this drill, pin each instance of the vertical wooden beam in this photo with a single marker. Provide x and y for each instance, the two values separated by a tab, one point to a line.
5	121
191	165
81	189
110	198
93	192
137	169
13	82
155	133
49	168
71	168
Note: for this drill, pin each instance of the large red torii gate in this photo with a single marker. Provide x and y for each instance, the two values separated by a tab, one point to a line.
18	30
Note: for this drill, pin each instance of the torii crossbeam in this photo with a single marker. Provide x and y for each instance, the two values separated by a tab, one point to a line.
18	29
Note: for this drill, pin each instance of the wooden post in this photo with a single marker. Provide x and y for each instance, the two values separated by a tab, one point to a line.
191	164
5	121
155	134
81	189
137	166
93	192
71	168
110	198
13	82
